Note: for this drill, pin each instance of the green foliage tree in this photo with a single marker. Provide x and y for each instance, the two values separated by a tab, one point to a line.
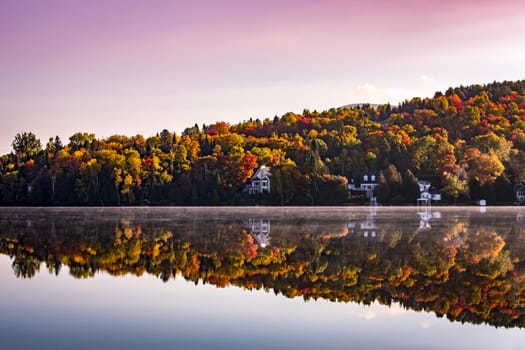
410	190
395	183
26	146
455	185
82	140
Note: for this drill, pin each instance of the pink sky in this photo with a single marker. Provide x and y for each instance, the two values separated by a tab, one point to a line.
133	67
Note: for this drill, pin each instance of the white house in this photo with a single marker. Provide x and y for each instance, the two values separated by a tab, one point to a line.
367	183
425	195
260	181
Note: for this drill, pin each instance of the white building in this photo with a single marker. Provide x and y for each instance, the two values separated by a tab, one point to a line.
366	184
260	181
425	195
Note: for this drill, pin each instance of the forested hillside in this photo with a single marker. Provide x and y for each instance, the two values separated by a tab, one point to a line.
468	142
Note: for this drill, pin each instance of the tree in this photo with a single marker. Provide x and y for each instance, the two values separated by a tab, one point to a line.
395	182
314	164
492	143
410	187
503	190
283	186
431	155
82	140
26	146
87	185
112	168
517	165
166	141
53	145
455	185
483	167
333	190
382	190
181	163
131	174
424	157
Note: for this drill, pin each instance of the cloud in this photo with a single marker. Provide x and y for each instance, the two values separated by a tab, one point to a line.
425	79
369	93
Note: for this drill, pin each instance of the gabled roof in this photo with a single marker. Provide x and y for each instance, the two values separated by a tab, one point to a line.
262	173
369	174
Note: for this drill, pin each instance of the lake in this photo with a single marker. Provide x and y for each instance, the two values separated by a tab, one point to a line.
258	278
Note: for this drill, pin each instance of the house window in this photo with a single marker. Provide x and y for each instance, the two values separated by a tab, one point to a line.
256	183
265	183
373	177
365	178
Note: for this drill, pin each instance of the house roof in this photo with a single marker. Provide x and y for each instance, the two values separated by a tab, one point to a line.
262	173
369	174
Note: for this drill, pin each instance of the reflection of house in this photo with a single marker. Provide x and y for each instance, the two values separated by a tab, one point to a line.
425	195
520	217
260	181
520	194
366	183
425	217
366	227
260	231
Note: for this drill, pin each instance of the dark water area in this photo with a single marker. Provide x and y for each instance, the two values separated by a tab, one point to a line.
253	278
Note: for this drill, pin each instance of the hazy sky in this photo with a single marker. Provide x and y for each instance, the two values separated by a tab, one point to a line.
128	67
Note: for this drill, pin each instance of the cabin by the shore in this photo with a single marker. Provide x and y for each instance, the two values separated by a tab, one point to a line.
260	182
426	196
365	183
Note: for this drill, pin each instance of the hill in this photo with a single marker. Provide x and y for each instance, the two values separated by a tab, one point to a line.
469	142
360	105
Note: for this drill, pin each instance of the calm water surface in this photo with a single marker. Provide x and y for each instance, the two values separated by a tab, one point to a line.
257	278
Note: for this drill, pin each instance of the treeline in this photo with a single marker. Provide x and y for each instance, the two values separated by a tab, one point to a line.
469	143
463	270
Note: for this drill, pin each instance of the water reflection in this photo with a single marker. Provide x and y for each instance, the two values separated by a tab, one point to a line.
462	264
260	229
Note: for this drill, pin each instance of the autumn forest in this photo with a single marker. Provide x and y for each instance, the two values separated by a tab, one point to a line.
468	142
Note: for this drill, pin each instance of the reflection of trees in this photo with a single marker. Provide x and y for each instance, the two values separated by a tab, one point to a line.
25	264
460	269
